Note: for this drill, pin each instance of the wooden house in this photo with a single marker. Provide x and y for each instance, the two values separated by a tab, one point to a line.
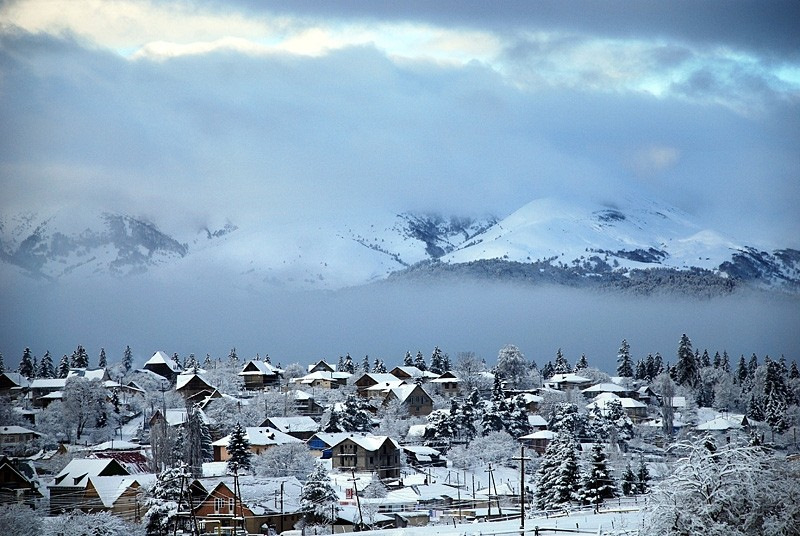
260	375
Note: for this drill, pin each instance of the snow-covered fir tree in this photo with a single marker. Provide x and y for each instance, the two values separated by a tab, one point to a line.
582	363
642	477
561	365
624	363
437	361
628	483
165	498
687	369
496	411
318	499
516	423
365	364
558	476
101	360
26	364
347	365
598	482
776	398
63	367
408	360
419	361
741	371
2	364
46	368
238	450
352	415
127	359
80	358
233	358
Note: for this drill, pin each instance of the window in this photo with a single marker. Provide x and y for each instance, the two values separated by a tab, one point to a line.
217	505
231	505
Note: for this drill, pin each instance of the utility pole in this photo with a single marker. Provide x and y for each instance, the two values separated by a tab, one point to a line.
458	486
521	459
354	480
489	487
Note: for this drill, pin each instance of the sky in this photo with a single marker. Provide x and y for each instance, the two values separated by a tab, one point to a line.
185	112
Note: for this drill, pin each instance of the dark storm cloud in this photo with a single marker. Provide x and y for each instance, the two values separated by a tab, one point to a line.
767	27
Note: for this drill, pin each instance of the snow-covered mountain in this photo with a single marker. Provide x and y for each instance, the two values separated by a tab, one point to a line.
565	240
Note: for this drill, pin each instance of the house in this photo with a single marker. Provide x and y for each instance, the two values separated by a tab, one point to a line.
260	375
191	385
67	492
323	379
537	422
645	394
594	390
380	390
370	379
367	453
531	401
322	366
422	456
13	385
260	440
447	384
175	417
321	444
412	374
18	482
538	441
118	495
41	387
413	398
568	382
300	427
304	403
637	411
17	439
163	365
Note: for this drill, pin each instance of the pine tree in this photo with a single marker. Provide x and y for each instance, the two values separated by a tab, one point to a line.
80	358
239	450
207	362
419	362
598	484
641	370
127	359
408	361
365	364
624	363
101	361
705	360
687	371
26	365
755	410
446	365
793	372
197	448
776	398
63	367
233	358
741	371
561	365
348	365
493	419
437	362
582	363
642	477
726	362
717	361
752	366
628	481
517	423
558	478
318	500
35	367
548	370
2	364
46	369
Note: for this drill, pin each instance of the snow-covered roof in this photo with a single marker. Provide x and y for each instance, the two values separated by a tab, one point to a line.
531	398
260	437
415	431
294	424
115	445
177	416
536	420
568	378
719	424
109	488
322	375
541	434
602	400
381	377
184	379
48	383
334	438
369	442
259	368
17	379
657	423
447	377
89	374
78	471
386	386
605	388
53	395
421	450
14	430
402	392
160	358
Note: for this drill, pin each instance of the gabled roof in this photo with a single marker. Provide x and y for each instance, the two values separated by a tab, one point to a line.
293	424
183	380
261	368
13	430
541	434
323	376
446	377
110	488
89	374
322	364
386	386
160	358
570	378
78	471
17	379
402	392
720	424
48	383
605	388
380	377
260	437
369	442
602	400
178	416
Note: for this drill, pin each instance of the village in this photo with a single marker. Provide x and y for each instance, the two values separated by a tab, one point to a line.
251	447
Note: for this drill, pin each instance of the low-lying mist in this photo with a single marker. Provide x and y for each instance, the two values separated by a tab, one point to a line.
383	320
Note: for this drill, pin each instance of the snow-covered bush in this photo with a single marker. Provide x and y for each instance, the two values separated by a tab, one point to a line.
19	520
291	459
